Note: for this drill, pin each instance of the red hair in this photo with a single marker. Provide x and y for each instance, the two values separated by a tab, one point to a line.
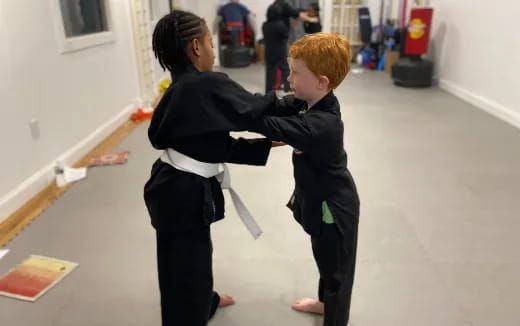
325	55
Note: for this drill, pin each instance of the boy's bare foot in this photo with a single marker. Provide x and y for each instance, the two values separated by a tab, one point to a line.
226	300
309	305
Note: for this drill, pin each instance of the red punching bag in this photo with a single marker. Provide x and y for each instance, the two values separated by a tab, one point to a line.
412	70
418	33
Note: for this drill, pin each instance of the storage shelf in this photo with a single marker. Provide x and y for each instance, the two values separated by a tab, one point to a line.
344	19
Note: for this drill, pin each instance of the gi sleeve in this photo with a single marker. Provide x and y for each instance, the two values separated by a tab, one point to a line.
284	107
290	11
249	151
208	103
292	130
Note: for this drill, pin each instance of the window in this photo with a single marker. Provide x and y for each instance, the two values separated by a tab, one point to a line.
82	23
81	17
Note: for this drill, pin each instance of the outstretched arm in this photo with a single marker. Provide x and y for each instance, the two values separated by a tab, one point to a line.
248	151
305	17
292	130
284	107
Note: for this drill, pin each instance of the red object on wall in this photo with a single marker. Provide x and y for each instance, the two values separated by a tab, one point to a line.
418	33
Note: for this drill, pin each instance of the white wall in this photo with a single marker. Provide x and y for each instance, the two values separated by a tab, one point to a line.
159	8
259	8
71	95
476	51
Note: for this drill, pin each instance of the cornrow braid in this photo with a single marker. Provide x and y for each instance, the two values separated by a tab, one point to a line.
171	36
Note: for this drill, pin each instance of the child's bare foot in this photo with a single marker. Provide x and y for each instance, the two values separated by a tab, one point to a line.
226	300
309	305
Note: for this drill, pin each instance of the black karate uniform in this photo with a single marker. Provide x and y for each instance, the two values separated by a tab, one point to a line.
311	28
194	118
288	12
276	36
323	186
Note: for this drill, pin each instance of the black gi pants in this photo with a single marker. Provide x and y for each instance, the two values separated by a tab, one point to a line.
335	254
186	277
270	75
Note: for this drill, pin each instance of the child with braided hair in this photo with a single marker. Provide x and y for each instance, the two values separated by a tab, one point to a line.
191	125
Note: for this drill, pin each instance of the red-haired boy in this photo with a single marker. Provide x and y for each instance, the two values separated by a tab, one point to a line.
325	200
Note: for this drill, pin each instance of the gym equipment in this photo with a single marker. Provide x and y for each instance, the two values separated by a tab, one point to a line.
412	70
236	55
236	43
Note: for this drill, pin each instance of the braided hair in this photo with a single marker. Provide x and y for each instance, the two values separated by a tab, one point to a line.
171	36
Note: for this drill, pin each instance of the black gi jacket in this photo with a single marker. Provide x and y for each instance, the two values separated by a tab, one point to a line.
311	28
319	159
194	118
276	36
288	11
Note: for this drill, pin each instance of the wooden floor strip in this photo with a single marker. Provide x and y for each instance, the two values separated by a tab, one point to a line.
39	203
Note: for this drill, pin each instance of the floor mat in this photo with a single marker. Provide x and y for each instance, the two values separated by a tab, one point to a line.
34	277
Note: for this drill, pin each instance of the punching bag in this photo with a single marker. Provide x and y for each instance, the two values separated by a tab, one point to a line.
412	70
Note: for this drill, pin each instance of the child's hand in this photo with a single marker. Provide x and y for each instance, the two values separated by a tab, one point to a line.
305	17
277	144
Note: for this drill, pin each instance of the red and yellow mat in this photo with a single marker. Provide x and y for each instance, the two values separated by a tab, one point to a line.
34	277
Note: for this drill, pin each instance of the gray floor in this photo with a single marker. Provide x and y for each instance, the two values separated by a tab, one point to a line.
439	184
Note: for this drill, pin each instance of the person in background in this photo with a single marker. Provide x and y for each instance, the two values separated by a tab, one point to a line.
313	11
276	36
296	32
287	12
234	15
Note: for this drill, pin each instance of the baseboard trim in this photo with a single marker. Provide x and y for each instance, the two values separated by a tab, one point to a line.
28	200
504	113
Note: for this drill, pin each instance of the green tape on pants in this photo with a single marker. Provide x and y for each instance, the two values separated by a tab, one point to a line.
327	217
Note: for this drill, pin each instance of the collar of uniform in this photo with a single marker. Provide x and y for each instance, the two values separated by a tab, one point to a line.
182	69
327	103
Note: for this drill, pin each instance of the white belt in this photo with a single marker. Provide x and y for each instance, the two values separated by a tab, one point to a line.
221	172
